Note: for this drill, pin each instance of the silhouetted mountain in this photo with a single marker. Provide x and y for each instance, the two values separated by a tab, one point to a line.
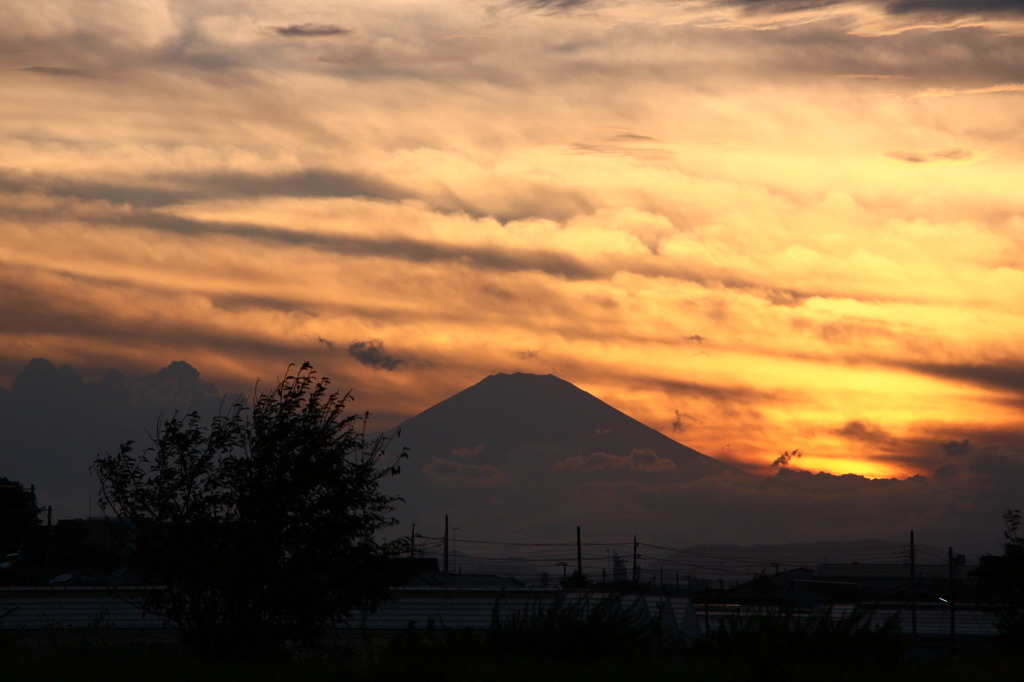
505	413
518	451
527	458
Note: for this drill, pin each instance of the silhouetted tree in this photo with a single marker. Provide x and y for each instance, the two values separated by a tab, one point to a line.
1014	545
1001	580
262	525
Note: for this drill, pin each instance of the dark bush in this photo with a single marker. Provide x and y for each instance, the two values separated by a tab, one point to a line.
575	625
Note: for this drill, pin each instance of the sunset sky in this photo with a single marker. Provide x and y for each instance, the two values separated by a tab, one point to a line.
753	225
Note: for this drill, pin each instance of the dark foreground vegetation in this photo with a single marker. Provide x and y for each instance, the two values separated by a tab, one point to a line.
563	642
134	667
113	664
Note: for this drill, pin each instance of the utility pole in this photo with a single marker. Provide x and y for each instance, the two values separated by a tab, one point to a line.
49	538
412	543
446	544
952	607
579	554
707	610
913	588
636	570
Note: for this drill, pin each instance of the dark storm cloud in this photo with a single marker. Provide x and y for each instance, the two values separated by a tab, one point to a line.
310	30
373	354
792	505
54	422
937	155
799	505
956	448
999	465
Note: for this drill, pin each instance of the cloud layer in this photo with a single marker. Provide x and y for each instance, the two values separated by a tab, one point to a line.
760	226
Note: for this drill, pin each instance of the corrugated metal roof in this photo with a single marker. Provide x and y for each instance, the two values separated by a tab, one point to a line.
476	608
931	620
37	608
457	609
34	608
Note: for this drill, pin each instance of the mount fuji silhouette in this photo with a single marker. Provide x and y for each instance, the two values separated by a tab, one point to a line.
528	458
522	452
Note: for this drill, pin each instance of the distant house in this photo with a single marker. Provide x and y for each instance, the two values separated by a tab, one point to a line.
894	582
769	589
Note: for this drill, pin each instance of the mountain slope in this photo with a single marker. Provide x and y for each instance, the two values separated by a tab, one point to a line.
523	451
525	459
506	412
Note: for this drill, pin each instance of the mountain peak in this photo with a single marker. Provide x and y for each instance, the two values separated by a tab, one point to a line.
513	447
523	379
510	411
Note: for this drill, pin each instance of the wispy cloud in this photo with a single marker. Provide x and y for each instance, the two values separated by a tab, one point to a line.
935	155
550	5
956	7
58	71
987	90
310	30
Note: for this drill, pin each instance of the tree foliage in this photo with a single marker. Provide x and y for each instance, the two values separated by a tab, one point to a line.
1001	581
262	524
1014	545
